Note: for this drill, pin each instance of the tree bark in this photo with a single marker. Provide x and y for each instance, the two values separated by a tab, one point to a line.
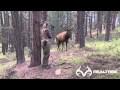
114	16
1	18
94	17
77	33
99	21
90	24
18	36
108	26
44	14
36	46
4	30
29	32
80	23
86	23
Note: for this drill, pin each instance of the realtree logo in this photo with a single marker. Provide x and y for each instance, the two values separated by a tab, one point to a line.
89	72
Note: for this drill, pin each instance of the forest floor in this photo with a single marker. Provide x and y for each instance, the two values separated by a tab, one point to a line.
98	54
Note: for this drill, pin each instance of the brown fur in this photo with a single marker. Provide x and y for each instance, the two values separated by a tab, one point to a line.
62	38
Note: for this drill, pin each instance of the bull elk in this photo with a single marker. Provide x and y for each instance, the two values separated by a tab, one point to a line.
63	37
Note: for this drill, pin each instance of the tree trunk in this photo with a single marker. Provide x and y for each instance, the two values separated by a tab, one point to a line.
119	20
99	21
11	35
94	17
36	48
3	46
29	32
86	22
4	41
90	24
67	19
18	36
44	14
114	16
108	26
104	19
80	23
5	25
12	48
77	33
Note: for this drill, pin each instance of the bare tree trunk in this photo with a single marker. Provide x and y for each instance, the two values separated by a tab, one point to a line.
108	26
80	22
67	19
58	22
4	45
99	21
11	35
119	20
77	34
1	18
18	36
44	16
36	48
86	24
29	32
5	24
90	24
104	19
94	17
114	16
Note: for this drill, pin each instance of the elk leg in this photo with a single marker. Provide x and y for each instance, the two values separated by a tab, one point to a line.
58	44
62	45
66	45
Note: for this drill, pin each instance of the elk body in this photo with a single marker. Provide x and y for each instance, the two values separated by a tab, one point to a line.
62	38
